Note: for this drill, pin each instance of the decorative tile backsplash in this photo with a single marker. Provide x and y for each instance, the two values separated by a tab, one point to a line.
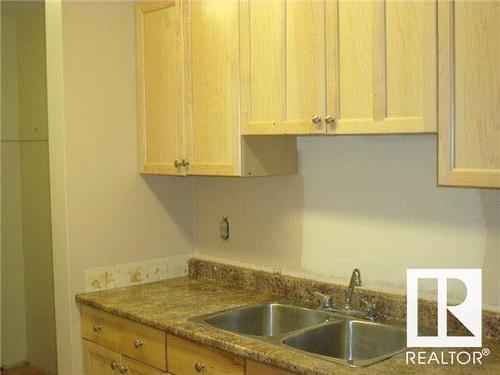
135	273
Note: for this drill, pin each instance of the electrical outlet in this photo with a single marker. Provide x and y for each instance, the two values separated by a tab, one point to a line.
224	228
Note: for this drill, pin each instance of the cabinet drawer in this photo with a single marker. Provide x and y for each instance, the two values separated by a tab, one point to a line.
101	328
144	344
255	368
137	368
185	357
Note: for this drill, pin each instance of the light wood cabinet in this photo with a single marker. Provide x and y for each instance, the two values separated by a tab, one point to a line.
256	368
99	360
361	67
469	96
283	74
189	94
161	91
189	358
108	337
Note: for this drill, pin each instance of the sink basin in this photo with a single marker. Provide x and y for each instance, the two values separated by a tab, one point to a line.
352	342
268	319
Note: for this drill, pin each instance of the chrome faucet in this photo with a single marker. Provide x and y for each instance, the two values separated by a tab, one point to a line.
355	281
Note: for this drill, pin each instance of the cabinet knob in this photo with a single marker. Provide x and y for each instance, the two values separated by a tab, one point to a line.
316	119
184	163
330	120
114	365
199	366
97	327
123	370
177	164
138	344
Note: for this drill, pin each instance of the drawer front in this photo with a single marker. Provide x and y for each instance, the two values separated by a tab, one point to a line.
255	368
144	344
101	328
185	357
138	368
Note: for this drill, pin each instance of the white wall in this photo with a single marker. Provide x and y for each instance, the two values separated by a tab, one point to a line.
367	202
104	212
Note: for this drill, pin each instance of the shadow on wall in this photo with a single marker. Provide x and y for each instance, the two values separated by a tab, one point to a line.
265	215
491	207
174	194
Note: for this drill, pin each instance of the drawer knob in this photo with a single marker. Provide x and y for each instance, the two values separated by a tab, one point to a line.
97	327
316	119
114	365
177	164
123	370
184	163
199	366
138	344
330	120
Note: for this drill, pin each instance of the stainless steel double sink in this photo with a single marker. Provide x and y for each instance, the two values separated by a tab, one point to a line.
325	334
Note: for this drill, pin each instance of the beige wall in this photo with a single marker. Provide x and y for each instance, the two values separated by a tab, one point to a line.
13	313
109	214
27	217
367	202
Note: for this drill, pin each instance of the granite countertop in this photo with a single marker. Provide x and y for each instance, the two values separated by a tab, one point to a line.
167	305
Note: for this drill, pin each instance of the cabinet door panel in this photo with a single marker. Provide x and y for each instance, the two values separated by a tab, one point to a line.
98	360
469	115
283	66
213	140
160	86
381	67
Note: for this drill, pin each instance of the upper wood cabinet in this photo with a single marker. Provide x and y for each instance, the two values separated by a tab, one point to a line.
189	94
339	67
469	93
283	71
162	93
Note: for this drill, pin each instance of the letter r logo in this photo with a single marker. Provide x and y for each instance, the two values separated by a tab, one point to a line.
468	312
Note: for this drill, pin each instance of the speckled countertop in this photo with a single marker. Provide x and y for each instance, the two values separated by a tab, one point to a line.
168	305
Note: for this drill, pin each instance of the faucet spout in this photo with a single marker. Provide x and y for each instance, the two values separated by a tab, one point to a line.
355	281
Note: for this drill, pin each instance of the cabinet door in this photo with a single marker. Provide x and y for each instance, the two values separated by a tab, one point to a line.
381	66
283	66
160	87
214	136
469	96
185	357
98	360
137	368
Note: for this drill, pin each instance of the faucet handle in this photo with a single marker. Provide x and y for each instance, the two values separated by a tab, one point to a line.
371	309
325	300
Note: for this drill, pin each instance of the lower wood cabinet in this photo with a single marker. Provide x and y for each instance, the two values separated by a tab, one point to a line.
99	360
185	357
109	339
113	345
256	368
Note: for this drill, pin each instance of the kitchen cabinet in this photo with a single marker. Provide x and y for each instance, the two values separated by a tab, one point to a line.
339	67
113	345
99	360
185	357
162	93
110	340
256	368
189	94
469	94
